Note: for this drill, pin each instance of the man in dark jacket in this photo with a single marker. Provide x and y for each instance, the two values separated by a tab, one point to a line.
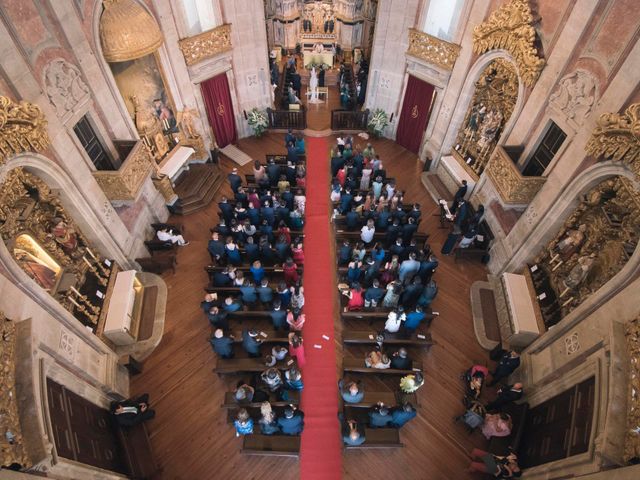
505	367
379	416
222	344
251	343
401	415
278	315
506	395
400	360
292	423
129	413
234	180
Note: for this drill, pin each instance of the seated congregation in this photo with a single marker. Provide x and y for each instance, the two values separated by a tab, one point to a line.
256	280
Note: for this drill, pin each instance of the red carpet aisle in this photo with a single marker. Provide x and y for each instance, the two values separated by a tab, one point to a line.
321	449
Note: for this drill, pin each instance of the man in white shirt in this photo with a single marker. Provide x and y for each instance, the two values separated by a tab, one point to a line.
394	320
367	232
167	235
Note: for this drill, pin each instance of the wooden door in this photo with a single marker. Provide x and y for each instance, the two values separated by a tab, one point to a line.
83	431
559	427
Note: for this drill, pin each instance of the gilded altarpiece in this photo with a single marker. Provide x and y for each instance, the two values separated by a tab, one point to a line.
48	246
595	243
494	99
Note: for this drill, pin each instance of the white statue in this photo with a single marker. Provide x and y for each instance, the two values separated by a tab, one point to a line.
313	86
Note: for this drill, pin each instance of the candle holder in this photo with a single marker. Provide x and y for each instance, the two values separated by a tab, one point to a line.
93	317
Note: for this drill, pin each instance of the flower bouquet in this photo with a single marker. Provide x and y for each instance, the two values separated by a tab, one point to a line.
257	121
378	122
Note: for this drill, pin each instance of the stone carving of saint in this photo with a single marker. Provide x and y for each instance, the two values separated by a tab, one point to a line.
578	273
64	235
36	269
571	242
64	86
313	85
489	127
575	95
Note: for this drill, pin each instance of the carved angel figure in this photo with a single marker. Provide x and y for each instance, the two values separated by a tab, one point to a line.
571	242
575	95
578	273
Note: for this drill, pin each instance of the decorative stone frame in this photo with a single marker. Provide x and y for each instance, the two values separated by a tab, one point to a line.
548	226
466	96
87	220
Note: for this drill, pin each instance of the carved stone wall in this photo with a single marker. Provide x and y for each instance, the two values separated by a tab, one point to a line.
207	44
575	95
65	87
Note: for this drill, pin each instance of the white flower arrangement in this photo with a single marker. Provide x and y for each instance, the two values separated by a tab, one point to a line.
257	121
378	122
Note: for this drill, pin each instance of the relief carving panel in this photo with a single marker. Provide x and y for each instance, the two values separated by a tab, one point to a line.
64	86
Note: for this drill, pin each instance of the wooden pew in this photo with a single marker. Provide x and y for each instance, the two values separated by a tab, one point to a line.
380	313
356	365
272	336
230	402
371	399
271	445
379	438
227	366
368	337
281	159
342	234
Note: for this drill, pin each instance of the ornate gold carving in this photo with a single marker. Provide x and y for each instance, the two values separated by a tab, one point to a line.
632	437
493	101
126	182
163	185
432	49
512	186
12	451
44	240
127	31
617	137
206	45
594	244
23	128
510	28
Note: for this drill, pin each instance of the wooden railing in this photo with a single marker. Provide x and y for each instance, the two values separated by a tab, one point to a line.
294	119
349	119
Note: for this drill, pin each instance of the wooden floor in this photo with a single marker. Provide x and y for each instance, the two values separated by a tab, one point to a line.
190	436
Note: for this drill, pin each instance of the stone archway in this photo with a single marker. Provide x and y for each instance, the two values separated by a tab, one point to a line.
552	223
88	221
466	98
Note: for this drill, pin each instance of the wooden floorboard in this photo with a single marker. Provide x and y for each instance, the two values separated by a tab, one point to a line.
190	436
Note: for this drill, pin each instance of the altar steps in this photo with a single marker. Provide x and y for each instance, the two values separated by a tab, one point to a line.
196	188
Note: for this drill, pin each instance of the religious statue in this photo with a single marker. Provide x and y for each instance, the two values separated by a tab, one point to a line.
571	242
318	48
477	116
65	235
489	127
35	268
578	273
313	86
185	120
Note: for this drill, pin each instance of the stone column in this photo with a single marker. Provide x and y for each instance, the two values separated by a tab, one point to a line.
448	118
388	65
249	58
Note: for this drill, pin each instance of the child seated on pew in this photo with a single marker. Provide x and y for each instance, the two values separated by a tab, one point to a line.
243	423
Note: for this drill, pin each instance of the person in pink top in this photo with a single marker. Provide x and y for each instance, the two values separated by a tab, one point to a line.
295	319
290	270
296	348
298	254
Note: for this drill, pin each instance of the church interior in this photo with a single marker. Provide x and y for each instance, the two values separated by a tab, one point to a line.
319	239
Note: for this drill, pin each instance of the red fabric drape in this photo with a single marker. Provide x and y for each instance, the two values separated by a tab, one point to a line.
414	116
217	100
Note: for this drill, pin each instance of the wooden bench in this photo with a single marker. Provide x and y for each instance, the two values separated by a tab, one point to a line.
379	438
368	337
230	401
371	399
356	365
342	234
246	269
281	159
379	314
271	445
228	366
272	337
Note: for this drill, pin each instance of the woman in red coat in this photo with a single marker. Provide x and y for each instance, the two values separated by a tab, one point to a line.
290	270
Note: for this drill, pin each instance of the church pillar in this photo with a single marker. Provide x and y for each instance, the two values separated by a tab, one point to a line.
388	67
453	107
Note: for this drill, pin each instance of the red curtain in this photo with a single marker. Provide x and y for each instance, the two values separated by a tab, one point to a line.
414	116
217	100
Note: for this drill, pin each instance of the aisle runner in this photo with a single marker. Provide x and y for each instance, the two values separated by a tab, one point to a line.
321	450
